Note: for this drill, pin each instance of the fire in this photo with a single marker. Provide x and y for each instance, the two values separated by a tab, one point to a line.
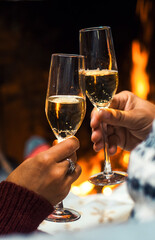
139	77
140	86
91	165
140	50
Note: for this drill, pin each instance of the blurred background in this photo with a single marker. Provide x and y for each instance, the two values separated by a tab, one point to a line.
30	31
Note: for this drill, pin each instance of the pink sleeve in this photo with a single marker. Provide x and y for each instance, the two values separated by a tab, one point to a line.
21	210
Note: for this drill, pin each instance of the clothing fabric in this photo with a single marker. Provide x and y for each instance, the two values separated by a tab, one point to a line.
141	178
35	145
21	210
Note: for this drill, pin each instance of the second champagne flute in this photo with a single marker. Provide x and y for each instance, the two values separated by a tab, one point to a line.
65	109
101	77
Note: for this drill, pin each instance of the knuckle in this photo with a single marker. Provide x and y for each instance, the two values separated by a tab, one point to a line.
119	116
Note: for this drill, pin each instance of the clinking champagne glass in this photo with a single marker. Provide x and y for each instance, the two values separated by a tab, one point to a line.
101	79
65	109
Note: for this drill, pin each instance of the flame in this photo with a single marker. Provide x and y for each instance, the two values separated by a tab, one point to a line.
143	10
140	52
91	165
139	77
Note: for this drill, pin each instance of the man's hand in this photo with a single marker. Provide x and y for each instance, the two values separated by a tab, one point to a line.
129	120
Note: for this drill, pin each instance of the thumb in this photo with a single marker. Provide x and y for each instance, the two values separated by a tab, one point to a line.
64	149
116	117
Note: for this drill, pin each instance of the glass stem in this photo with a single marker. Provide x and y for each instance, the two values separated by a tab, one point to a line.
59	208
107	165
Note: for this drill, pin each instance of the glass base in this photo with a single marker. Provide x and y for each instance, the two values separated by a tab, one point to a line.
102	179
63	215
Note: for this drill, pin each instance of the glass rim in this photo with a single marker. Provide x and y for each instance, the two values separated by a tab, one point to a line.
68	55
91	29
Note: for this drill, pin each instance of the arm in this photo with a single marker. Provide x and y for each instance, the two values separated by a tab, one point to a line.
21	210
129	120
31	190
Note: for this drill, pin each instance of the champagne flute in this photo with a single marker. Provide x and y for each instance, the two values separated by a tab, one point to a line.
101	78
65	109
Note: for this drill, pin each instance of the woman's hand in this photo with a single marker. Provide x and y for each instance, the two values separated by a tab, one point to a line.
46	173
129	120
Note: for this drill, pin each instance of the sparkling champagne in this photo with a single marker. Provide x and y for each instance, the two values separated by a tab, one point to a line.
65	114
101	86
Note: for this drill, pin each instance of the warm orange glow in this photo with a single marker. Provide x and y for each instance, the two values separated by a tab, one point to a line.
82	189
140	50
142	9
90	166
140	86
124	160
107	190
139	77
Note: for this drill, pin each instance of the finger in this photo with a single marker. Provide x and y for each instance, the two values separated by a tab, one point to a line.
72	157
64	149
98	146
116	117
65	164
95	118
119	100
70	178
112	142
96	135
110	130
